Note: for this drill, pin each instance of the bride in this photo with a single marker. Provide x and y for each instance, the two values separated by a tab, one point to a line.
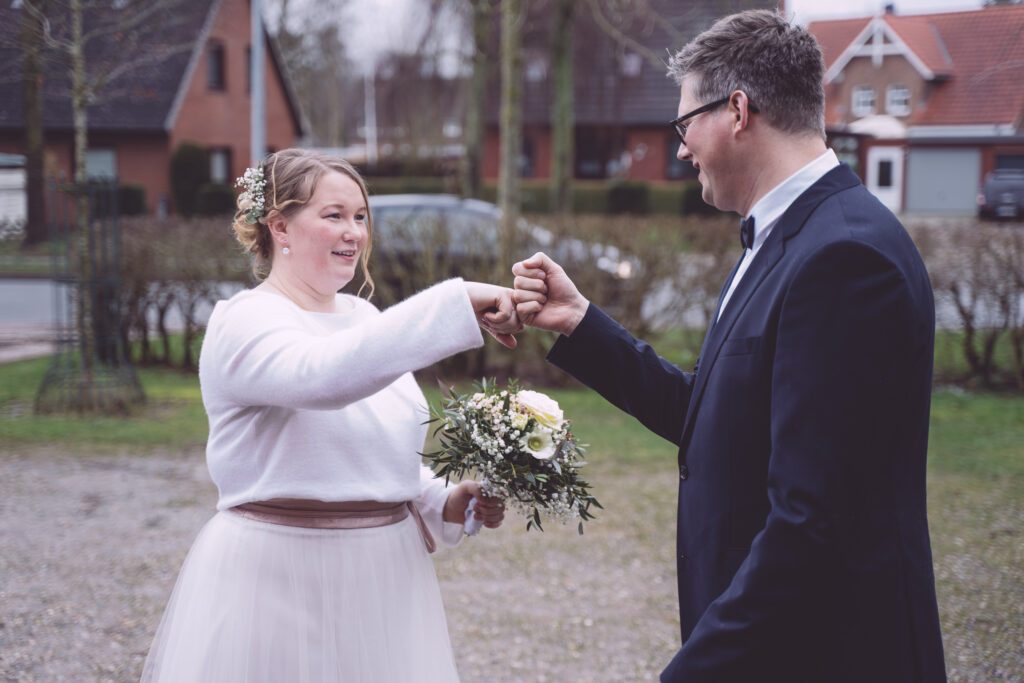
316	565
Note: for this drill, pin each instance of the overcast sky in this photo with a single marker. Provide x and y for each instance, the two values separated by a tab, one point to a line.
809	10
381	25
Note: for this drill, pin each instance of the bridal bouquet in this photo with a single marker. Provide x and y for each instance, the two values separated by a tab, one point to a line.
520	445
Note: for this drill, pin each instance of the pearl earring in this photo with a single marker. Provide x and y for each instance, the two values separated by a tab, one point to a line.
286	251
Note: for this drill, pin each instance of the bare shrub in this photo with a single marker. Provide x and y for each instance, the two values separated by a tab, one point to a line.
977	271
675	268
173	264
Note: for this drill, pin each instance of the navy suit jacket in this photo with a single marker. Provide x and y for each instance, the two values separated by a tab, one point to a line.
803	549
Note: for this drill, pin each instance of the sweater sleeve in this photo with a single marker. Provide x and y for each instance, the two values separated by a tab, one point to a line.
433	496
265	357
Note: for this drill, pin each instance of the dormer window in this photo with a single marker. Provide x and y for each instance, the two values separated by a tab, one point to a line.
897	100
215	67
863	100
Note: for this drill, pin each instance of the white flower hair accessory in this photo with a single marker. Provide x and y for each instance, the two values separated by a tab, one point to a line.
252	200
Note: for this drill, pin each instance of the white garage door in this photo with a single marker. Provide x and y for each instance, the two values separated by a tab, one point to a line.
943	180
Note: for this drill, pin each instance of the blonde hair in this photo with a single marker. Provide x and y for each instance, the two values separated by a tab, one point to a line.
291	178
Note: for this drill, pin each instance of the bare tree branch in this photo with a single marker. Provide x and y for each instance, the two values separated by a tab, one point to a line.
621	37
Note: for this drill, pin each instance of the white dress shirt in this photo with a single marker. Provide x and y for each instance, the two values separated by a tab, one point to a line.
769	209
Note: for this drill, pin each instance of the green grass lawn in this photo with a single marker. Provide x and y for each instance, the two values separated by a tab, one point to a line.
33	261
975	435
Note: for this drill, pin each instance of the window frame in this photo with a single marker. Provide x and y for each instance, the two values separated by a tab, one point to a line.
860	108
894	109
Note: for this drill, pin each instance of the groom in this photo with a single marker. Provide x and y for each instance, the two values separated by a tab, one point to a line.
802	547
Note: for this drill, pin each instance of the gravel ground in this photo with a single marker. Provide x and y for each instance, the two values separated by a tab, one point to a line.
90	546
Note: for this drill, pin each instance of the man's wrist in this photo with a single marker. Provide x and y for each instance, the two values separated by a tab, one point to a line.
579	312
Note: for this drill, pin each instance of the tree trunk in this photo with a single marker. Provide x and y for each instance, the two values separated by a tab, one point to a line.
85	309
512	12
32	83
472	161
562	119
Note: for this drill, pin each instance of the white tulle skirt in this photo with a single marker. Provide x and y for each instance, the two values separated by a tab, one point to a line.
265	603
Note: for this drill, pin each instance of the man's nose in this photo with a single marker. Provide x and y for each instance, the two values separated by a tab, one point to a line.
683	154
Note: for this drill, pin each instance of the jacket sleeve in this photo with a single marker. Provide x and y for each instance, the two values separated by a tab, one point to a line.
627	372
847	328
261	355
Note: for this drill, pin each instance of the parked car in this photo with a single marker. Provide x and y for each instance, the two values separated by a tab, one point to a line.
422	238
1002	195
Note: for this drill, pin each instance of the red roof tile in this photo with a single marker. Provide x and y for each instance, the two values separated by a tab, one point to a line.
836	36
978	56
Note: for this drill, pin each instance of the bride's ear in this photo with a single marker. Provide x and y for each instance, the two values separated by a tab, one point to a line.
278	228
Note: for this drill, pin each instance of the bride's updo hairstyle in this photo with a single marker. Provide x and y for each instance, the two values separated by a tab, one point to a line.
291	177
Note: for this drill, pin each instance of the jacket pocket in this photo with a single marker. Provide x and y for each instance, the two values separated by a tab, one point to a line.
739	347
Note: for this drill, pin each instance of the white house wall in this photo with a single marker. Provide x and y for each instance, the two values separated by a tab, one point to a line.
12	195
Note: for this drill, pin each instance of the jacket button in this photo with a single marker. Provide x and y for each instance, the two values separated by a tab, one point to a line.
684	472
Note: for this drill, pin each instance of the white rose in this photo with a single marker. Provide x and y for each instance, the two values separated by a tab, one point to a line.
244	202
540	443
543	408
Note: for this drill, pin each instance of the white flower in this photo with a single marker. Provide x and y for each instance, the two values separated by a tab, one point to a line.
245	201
540	443
520	420
543	408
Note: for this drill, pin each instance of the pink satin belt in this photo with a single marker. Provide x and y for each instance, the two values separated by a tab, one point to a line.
315	514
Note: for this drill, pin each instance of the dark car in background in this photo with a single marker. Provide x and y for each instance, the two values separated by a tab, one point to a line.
420	239
1002	194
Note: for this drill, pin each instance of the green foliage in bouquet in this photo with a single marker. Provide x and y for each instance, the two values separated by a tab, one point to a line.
520	446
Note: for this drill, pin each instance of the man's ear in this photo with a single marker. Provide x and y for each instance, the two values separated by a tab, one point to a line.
739	110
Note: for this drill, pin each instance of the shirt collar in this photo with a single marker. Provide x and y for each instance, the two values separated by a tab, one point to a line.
769	209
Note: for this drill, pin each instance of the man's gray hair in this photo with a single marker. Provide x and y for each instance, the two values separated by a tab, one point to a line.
777	64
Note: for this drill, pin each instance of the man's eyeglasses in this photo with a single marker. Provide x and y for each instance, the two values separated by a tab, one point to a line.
680	127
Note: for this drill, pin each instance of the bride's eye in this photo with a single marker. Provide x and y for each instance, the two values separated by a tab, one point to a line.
361	217
334	215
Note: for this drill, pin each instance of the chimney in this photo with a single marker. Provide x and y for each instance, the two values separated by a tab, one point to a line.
890	8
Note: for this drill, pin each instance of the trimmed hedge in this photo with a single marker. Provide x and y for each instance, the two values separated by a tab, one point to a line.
215	199
628	197
412	185
588	196
131	200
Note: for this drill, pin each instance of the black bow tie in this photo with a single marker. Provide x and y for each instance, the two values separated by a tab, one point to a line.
747	233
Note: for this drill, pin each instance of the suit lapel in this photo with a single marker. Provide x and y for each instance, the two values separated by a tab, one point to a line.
771	252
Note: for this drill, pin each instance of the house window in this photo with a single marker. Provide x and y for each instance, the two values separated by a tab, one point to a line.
897	100
220	166
885	173
863	100
101	164
215	67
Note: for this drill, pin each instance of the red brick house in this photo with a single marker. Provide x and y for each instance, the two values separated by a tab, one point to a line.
622	98
199	95
938	99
